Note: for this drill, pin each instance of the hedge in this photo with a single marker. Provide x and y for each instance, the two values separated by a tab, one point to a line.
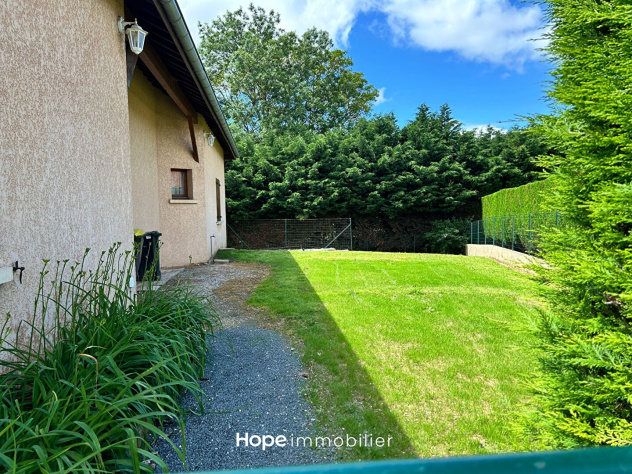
526	199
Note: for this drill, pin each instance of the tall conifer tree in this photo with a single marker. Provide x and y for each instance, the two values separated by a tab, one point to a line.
585	392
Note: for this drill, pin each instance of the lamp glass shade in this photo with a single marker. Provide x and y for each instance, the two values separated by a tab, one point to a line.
136	37
210	139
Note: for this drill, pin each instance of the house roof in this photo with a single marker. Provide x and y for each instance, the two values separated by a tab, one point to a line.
170	38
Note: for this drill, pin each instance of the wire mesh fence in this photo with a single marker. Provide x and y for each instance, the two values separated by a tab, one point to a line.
277	234
517	232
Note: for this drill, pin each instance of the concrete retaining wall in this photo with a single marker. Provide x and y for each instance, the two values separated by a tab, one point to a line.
498	253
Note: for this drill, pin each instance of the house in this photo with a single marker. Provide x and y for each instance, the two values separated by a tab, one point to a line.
96	141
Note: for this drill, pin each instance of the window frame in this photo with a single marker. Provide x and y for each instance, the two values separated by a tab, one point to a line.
218	199
187	188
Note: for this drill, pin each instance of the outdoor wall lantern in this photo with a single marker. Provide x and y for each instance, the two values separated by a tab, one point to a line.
135	34
210	138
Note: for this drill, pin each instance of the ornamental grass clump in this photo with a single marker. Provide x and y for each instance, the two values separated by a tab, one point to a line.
97	372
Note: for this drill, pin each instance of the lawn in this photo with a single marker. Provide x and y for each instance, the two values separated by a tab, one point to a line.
432	350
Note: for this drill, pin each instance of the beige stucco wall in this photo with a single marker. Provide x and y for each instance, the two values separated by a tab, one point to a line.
161	141
64	148
144	152
213	170
182	225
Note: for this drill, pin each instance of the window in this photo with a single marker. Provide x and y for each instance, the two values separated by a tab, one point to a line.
180	186
218	199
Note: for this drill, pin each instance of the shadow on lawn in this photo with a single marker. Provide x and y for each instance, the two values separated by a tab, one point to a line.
347	401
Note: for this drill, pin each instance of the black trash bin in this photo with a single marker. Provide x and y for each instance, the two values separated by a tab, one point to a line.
148	267
138	247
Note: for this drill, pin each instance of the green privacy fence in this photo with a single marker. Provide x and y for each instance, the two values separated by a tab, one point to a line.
585	461
516	232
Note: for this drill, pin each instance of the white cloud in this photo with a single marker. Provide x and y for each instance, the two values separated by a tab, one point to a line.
494	31
381	98
335	16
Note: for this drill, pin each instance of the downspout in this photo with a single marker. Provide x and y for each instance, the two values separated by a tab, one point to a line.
174	15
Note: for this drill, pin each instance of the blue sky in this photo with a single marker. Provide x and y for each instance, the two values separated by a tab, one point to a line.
478	56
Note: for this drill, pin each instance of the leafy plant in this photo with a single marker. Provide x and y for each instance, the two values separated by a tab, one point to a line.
447	236
90	381
270	79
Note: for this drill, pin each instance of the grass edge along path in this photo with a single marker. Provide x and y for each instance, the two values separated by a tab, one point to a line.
442	404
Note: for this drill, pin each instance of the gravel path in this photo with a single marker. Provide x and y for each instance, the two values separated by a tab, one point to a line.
254	386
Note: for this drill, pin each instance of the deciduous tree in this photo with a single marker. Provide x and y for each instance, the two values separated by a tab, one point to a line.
270	79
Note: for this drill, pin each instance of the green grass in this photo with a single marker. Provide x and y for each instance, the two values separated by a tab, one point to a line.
430	349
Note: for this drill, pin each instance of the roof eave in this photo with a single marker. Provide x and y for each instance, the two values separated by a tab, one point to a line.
170	11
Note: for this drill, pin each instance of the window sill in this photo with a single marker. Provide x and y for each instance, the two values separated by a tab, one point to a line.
219	222
183	201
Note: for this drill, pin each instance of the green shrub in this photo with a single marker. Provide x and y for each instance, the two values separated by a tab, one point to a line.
584	395
448	236
100	372
527	199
